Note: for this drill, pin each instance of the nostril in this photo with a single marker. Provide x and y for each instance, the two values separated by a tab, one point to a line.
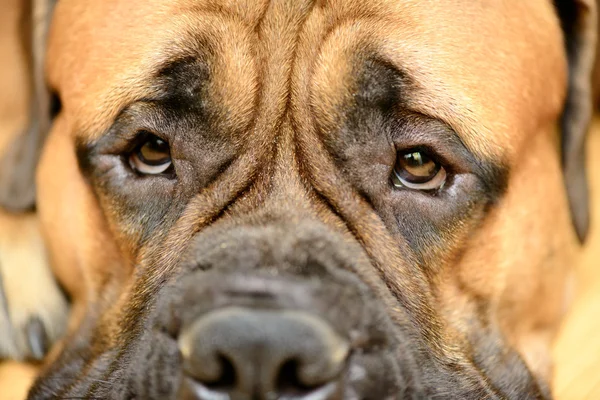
289	382
228	378
216	373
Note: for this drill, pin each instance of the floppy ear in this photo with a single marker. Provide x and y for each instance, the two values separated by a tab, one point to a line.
578	19
19	161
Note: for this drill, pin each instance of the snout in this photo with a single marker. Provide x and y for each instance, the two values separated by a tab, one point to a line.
264	354
277	312
265	313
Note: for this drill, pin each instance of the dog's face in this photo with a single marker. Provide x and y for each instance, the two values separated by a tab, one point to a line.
306	200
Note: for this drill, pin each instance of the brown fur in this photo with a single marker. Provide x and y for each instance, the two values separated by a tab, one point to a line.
283	76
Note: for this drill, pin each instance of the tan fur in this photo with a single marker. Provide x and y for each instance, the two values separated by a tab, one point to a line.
15	379
499	82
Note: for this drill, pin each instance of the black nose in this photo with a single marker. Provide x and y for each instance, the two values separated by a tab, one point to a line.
241	353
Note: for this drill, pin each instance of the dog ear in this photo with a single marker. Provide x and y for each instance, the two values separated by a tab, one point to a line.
19	161
578	20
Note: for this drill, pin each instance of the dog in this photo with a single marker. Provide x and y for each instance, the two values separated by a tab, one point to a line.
309	199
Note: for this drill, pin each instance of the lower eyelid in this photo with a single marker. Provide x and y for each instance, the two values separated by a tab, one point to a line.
147	169
440	179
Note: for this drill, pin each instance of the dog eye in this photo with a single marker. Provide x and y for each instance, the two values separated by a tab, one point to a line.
152	157
415	169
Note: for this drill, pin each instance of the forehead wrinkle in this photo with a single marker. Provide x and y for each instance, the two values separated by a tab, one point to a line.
108	79
341	58
475	86
139	86
251	12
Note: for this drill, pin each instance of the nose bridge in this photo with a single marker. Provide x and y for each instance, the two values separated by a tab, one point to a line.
282	192
287	184
279	187
276	48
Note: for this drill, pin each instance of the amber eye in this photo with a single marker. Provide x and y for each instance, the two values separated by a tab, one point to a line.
415	169
152	157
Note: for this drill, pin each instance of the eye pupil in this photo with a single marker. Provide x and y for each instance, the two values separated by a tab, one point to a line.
415	169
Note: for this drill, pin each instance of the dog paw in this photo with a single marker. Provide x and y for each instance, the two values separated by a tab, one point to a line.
33	309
